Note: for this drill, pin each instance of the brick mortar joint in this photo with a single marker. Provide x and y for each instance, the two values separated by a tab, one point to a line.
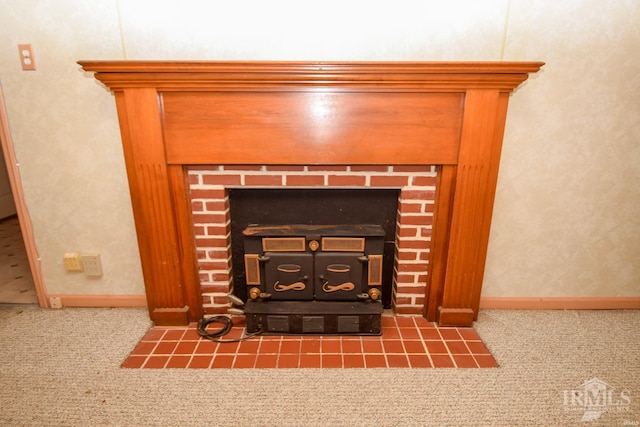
283	168
203	186
415	215
211	236
226	173
216	271
414	238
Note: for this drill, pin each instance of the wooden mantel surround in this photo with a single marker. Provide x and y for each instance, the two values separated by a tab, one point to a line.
174	114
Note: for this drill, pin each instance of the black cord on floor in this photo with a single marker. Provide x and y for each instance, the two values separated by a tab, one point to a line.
227	325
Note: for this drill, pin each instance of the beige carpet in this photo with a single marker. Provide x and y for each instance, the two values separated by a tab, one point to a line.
61	368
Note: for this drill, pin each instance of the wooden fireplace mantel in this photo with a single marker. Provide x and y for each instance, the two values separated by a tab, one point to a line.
176	113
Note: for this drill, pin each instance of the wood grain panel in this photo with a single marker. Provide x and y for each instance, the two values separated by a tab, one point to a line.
152	204
178	179
312	128
472	203
445	186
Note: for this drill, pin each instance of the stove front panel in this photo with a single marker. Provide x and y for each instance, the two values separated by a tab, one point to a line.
339	275
288	275
314	262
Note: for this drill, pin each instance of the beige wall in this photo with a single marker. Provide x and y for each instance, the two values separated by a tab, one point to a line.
567	216
567	211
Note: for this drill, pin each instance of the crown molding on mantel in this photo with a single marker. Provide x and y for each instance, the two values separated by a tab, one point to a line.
376	76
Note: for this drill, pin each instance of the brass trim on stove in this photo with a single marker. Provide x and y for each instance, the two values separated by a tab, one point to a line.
284	244
375	270
343	244
314	245
252	269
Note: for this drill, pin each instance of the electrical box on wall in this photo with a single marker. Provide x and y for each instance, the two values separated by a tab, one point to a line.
72	261
27	60
92	264
89	263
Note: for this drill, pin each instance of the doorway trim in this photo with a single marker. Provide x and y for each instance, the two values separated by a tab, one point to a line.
21	206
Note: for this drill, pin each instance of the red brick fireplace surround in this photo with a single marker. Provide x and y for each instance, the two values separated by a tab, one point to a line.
211	218
432	130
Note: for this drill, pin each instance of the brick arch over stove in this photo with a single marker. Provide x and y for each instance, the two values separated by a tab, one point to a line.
176	114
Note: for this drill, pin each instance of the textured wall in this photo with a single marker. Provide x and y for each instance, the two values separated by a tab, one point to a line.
567	215
567	211
66	138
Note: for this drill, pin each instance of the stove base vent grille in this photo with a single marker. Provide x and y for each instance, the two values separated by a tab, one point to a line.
311	317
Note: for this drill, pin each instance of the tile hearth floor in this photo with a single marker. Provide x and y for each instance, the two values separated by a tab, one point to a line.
406	342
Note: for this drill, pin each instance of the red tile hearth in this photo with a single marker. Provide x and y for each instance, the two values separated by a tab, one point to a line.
406	342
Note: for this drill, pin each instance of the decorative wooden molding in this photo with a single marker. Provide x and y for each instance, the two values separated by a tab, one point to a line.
21	206
301	76
102	300
174	114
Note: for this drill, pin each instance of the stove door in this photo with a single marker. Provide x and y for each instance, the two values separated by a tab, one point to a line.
339	276
288	275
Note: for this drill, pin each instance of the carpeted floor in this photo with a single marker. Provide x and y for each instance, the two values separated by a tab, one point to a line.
62	368
16	282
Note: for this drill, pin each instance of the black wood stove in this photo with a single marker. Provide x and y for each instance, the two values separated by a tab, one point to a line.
314	279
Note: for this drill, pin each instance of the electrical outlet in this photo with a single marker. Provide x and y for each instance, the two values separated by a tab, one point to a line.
27	60
55	302
72	261
92	264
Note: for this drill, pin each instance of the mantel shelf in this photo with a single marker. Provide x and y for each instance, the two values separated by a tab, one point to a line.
382	76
